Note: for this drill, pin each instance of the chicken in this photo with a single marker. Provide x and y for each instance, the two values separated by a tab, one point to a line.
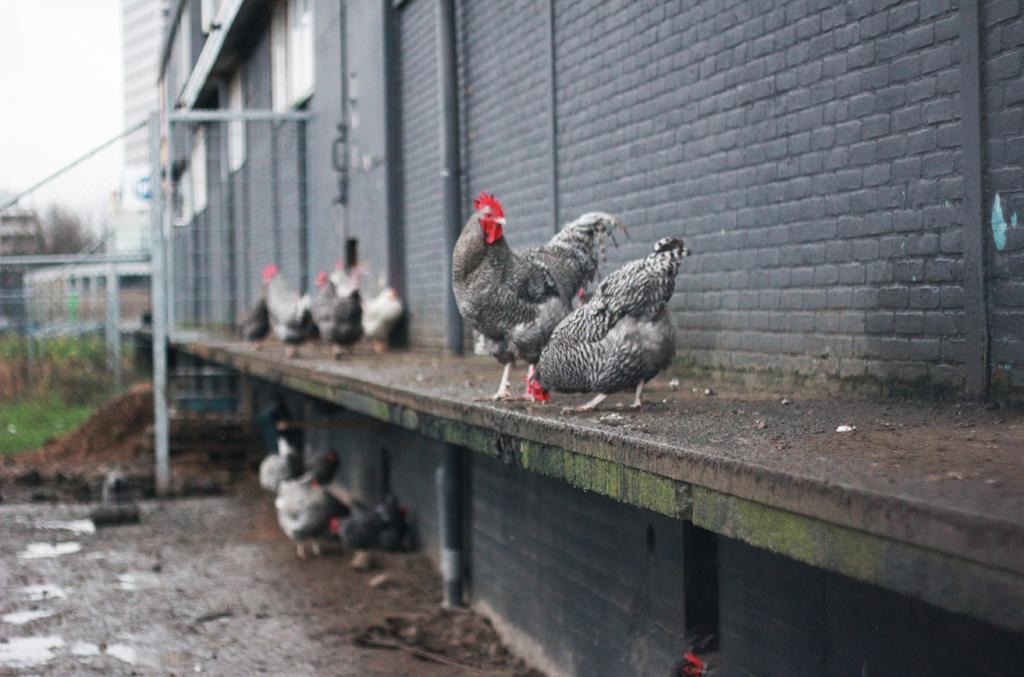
382	527
621	338
515	299
305	511
380	314
305	507
338	313
256	325
290	316
285	465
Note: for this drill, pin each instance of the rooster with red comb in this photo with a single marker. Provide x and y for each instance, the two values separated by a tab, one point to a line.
515	298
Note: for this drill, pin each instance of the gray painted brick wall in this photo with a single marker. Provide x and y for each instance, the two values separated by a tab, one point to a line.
505	112
781	617
597	584
1002	31
808	153
421	212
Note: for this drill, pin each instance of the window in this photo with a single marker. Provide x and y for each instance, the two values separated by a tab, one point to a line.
292	62
209	11
300	49
198	167
236	128
184	51
183	199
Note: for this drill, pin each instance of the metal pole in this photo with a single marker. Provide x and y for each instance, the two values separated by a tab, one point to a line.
167	236
158	287
449	517
448	103
114	324
974	239
552	112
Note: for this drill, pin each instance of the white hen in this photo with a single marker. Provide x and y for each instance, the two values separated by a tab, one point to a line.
380	314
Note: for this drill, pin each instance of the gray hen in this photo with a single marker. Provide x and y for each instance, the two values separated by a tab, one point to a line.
338	316
622	337
515	299
290	318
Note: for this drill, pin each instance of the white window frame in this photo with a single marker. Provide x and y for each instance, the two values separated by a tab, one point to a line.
197	164
184	50
208	12
183	199
236	127
302	76
292	63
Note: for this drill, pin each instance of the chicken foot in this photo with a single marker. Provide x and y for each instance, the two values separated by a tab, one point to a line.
503	393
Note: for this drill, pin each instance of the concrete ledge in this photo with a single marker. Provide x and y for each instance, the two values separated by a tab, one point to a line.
909	526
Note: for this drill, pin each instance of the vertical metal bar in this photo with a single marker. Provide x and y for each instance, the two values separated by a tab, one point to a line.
552	112
167	235
448	482
305	282
974	239
275	201
114	324
392	149
158	288
230	274
448	131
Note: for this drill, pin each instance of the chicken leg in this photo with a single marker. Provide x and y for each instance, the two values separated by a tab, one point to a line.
589	406
637	401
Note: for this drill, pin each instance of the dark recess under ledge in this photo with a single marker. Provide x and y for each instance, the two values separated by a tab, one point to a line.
925	499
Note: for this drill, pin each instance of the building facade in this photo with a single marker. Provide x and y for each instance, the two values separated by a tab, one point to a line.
848	176
816	157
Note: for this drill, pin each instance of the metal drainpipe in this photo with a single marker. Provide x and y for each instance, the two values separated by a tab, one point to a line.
448	478
448	94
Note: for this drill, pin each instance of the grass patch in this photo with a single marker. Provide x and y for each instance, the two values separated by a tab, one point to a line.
29	424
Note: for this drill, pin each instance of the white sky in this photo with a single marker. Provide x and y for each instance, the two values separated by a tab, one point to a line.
61	94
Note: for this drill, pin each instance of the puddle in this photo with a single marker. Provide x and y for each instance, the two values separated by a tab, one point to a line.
84	649
75	526
123	652
22	617
27	652
136	581
47	550
37	593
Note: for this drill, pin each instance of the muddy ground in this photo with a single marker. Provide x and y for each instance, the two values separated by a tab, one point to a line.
202	585
210	585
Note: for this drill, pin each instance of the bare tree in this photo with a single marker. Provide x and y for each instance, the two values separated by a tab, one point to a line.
62	231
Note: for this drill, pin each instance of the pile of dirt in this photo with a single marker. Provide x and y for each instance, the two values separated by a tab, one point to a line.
118	431
209	453
448	636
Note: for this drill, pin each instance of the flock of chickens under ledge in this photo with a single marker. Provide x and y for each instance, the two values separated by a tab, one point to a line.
529	305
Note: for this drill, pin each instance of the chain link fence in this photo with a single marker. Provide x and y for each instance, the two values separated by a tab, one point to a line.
237	203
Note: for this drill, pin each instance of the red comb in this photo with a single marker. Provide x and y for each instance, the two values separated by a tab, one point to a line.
694	666
321	279
333	524
269	273
490	202
536	391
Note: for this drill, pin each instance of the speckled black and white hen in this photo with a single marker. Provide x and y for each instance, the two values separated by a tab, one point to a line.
515	298
290	317
622	337
337	313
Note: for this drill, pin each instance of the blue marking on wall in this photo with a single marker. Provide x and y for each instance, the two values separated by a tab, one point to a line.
998	224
